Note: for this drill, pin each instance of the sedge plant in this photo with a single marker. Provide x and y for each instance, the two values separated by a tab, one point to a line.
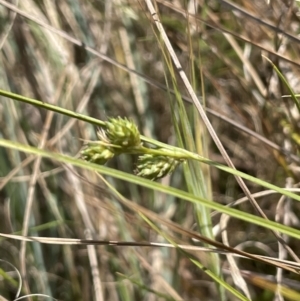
63	194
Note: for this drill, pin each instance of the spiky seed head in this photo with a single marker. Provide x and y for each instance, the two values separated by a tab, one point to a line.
101	134
154	167
122	132
97	153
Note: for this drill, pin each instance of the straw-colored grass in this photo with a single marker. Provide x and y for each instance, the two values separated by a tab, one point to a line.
147	151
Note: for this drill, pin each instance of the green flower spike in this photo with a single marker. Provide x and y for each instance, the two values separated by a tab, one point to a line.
122	132
154	167
97	153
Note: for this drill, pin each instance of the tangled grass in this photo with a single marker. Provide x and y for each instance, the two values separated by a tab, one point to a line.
147	87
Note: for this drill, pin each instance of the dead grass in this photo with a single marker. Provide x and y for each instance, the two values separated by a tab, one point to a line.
227	40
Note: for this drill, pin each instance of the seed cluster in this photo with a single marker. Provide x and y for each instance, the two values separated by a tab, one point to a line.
122	132
121	135
155	166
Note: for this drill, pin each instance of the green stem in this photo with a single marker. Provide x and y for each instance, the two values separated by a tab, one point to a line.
176	152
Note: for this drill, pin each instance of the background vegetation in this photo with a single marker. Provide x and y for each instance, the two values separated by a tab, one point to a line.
107	59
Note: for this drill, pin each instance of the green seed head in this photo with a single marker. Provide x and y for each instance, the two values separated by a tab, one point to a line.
97	153
154	167
122	132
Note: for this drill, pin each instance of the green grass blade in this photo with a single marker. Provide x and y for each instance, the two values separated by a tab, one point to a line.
293	95
169	190
206	270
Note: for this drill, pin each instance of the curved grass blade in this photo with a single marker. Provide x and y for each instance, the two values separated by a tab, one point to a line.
169	190
293	95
